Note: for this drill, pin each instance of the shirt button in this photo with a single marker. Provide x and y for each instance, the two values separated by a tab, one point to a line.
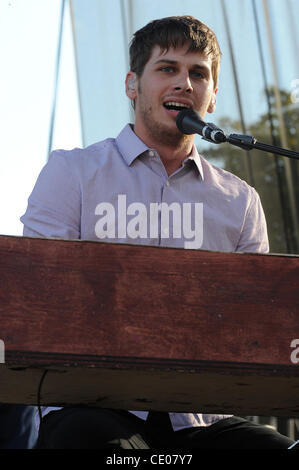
167	183
151	153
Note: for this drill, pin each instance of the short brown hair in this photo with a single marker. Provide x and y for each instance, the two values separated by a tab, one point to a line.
174	31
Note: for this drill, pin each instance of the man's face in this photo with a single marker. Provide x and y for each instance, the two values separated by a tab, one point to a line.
170	81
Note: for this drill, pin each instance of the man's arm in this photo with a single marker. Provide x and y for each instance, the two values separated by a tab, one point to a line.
54	206
54	210
254	234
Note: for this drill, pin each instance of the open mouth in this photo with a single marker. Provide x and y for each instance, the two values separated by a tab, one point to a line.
175	106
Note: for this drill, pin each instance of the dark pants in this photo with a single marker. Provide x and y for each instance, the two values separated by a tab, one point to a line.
17	427
90	428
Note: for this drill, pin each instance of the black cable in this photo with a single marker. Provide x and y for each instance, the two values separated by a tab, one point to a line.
39	395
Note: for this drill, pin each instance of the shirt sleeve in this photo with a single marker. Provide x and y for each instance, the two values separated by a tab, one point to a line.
54	206
254	234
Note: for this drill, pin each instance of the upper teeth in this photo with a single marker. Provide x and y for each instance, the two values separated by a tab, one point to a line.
174	103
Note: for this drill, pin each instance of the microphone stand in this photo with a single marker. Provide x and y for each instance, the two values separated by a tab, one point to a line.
247	142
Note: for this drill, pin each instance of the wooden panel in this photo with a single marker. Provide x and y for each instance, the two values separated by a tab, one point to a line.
208	329
209	388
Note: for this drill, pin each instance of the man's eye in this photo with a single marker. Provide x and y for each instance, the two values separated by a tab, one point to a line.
166	69
197	74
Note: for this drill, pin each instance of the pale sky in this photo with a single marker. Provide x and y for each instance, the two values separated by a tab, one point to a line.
28	41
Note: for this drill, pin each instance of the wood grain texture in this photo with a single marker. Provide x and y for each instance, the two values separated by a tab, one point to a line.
86	309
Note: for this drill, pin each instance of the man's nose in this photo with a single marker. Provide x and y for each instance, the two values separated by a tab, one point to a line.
183	82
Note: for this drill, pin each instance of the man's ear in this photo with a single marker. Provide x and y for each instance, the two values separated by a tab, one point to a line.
212	105
131	85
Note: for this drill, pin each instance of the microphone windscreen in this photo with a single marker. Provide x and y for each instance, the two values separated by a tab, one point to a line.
188	115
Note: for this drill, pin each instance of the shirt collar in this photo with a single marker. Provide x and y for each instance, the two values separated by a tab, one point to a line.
196	158
131	147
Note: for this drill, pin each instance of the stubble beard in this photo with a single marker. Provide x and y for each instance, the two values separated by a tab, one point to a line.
158	132
161	133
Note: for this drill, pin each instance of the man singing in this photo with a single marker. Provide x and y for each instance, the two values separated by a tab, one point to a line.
174	64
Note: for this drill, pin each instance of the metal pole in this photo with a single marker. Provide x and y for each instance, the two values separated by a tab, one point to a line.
235	74
77	70
126	35
53	111
270	117
293	31
282	128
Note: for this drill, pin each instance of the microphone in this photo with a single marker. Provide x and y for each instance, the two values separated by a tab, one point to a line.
189	121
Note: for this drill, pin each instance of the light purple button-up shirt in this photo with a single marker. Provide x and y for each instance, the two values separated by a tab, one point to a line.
118	191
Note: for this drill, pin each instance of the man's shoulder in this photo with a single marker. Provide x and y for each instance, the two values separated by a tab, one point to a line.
96	150
91	151
225	179
83	162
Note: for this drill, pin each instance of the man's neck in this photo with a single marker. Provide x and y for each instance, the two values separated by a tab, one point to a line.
172	157
172	154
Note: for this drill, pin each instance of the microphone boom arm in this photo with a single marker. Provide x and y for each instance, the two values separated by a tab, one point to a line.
247	142
189	121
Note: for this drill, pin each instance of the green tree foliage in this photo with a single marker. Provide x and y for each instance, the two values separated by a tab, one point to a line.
264	171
